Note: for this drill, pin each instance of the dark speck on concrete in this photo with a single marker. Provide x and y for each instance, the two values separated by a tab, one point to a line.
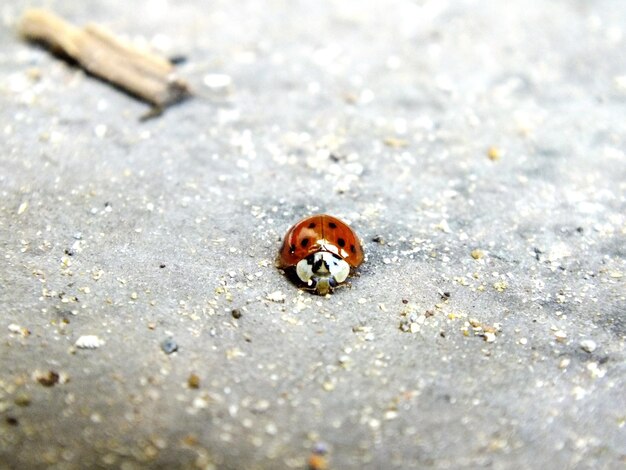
169	346
380	115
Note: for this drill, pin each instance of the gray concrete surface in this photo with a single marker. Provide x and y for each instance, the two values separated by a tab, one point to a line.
483	141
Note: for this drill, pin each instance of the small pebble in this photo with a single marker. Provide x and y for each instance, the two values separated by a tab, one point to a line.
217	81
22	399
17	329
169	346
276	296
317	459
271	429
588	345
596	371
317	462
100	131
23	207
193	381
500	286
489	337
89	342
390	414
236	313
395	143
200	403
261	406
444	226
48	379
494	153
320	448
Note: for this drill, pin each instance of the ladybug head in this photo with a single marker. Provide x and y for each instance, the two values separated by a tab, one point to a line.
323	285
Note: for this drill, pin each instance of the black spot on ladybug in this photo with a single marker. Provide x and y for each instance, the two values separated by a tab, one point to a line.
332	225
304	242
341	242
292	248
353	249
312	225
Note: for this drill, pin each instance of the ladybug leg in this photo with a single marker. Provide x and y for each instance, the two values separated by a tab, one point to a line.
309	289
344	284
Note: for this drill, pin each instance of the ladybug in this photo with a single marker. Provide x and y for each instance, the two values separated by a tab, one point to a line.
323	250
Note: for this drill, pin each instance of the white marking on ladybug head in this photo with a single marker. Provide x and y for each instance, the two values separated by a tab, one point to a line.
322	270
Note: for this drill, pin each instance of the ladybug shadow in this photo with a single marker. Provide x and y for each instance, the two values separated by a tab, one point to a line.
290	273
292	276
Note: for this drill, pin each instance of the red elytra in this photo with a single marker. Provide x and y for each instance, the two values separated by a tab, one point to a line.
317	233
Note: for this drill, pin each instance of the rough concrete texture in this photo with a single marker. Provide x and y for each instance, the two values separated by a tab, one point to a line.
480	143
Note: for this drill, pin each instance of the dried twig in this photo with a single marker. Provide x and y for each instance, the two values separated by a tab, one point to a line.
139	72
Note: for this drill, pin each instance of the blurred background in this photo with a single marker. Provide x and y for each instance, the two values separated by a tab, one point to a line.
476	147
